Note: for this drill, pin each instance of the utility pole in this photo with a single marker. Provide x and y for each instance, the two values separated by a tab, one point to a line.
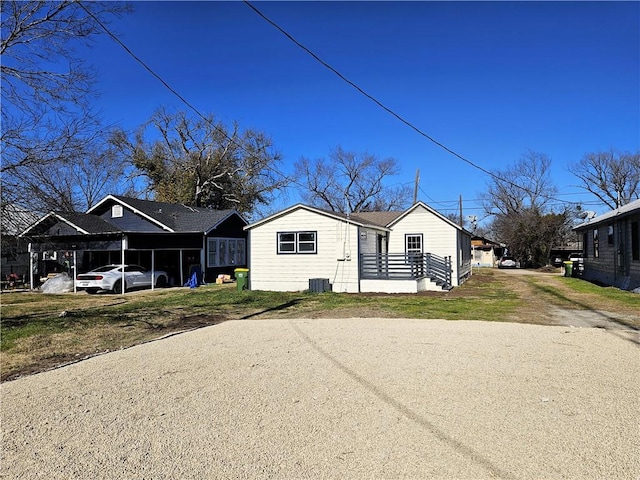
415	188
461	220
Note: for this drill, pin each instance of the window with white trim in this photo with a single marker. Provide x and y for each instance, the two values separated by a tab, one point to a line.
413	243
226	252
413	252
297	242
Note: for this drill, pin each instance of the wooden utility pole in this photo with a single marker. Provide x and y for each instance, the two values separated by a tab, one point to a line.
415	188
461	220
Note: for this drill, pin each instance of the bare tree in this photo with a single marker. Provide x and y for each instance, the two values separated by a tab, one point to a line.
47	122
525	184
519	199
203	163
351	182
612	176
530	235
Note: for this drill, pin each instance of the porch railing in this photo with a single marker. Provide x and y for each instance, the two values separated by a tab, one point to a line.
406	266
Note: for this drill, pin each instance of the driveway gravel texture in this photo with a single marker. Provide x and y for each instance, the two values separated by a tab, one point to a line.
336	398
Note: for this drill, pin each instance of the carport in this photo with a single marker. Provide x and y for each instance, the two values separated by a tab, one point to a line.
154	235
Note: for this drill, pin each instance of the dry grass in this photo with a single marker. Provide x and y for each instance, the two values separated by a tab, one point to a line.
43	331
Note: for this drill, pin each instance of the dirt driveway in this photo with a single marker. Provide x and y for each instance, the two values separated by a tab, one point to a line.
548	301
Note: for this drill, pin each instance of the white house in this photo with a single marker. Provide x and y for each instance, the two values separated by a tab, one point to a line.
392	252
485	252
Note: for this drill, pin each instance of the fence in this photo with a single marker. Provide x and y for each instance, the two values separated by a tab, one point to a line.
405	266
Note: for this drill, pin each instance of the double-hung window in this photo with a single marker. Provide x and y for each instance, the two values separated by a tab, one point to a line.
413	244
226	252
297	242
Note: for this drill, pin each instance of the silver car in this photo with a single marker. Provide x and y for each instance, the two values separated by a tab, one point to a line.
109	277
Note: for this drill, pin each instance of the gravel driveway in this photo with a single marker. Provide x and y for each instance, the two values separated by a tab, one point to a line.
348	398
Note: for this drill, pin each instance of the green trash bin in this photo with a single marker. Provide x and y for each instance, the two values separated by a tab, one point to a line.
242	278
568	269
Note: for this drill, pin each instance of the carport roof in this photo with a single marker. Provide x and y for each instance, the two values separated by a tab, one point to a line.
82	222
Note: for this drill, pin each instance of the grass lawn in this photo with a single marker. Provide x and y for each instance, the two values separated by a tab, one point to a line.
39	331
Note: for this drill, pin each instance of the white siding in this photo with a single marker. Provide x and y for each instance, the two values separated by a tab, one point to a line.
336	257
439	237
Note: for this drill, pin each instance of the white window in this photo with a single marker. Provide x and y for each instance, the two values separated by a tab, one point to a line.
116	211
297	242
413	252
413	243
226	252
307	242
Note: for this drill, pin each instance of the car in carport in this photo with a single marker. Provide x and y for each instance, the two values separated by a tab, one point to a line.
109	278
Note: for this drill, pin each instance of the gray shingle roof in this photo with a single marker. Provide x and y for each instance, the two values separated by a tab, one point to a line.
377	218
89	223
374	220
619	212
177	217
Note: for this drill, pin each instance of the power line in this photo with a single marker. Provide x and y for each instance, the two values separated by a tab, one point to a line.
370	97
326	65
387	109
141	62
442	204
168	87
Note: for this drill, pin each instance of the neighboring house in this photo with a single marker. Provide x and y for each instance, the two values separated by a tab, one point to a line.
611	247
485	252
14	258
393	252
159	236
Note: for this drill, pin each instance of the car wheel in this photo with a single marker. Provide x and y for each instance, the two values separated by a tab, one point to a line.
117	287
161	282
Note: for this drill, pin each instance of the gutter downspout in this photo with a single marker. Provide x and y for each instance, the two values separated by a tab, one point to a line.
153	270
358	264
122	249
29	249
75	271
202	258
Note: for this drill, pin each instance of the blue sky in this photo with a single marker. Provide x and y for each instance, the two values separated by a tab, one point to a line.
487	79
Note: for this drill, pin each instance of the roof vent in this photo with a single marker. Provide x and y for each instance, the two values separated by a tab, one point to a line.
116	211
